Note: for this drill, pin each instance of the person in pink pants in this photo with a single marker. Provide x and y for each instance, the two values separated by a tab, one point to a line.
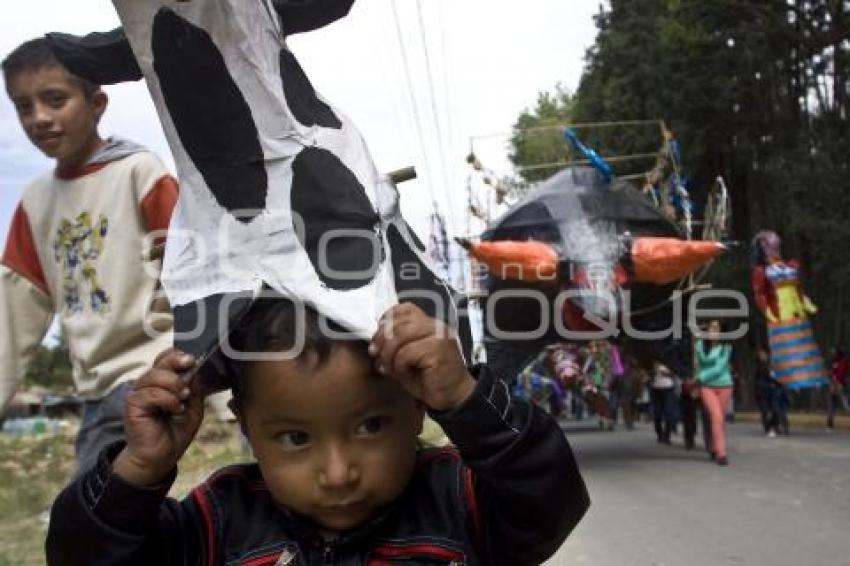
715	377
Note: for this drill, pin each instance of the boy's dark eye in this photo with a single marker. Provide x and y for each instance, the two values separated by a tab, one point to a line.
370	426
22	108
56	101
293	439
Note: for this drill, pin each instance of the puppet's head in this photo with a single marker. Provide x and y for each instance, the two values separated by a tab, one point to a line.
767	246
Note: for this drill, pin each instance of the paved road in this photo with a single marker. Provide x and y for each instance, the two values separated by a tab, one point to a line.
782	501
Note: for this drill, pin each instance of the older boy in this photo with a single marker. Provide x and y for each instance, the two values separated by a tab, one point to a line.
339	478
75	246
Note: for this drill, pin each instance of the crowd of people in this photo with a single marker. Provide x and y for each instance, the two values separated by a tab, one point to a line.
574	380
596	380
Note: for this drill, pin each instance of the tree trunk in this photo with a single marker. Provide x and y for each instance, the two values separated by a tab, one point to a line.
838	37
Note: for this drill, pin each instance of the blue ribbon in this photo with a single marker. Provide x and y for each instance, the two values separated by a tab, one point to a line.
595	159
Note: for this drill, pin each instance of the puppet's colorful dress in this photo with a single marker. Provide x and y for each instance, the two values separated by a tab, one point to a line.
795	360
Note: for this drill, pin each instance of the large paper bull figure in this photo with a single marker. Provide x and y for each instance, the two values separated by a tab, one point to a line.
581	257
278	188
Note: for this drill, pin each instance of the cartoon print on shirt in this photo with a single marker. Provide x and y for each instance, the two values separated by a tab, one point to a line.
77	247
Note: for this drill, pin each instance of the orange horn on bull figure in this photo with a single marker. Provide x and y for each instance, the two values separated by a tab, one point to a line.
509	259
664	260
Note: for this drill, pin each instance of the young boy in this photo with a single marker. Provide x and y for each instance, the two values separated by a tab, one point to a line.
75	246
339	478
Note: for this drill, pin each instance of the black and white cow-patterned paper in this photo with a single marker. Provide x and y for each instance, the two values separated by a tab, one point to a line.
277	186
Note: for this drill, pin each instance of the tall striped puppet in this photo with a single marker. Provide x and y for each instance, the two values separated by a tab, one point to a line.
795	360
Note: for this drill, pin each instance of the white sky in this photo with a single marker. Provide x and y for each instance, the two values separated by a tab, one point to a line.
488	61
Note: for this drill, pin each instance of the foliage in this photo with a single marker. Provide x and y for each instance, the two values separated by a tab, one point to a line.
50	366
535	142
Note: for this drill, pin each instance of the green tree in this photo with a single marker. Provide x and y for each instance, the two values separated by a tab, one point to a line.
50	366
536	142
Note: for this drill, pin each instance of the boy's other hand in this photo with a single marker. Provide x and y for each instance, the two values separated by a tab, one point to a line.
422	354
164	413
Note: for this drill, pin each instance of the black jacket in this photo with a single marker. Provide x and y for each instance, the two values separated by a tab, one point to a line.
509	494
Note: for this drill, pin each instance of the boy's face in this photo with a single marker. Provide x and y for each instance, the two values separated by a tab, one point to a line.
57	116
334	442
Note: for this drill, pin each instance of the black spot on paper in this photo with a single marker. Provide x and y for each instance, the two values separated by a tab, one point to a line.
415	283
413	276
416	241
210	114
326	196
301	96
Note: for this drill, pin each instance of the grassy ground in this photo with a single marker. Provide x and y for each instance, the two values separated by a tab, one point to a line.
33	469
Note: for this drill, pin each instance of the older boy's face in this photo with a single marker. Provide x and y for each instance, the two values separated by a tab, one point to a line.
334	442
56	114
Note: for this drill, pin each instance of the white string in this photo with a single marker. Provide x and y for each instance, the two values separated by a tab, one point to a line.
444	60
409	82
435	112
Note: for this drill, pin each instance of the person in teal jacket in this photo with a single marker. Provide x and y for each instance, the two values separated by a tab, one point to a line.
715	378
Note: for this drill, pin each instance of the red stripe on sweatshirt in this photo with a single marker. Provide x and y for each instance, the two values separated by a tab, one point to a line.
21	255
159	203
71	173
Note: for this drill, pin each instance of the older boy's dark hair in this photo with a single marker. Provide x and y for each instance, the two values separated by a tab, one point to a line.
275	324
34	55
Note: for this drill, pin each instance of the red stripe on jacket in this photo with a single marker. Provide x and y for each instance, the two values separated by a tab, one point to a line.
209	522
407	551
269	560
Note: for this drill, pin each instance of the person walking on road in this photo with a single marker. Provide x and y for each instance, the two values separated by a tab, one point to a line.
662	397
765	394
689	400
713	373
837	387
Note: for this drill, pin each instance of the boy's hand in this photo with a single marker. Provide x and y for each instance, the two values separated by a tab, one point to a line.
163	414
422	354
